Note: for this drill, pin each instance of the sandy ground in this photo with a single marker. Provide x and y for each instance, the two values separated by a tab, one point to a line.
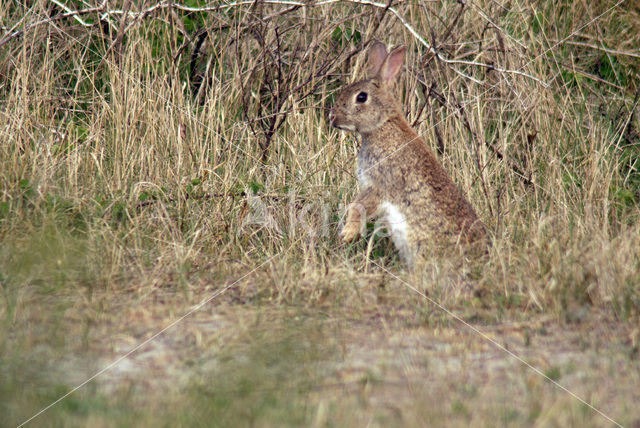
408	372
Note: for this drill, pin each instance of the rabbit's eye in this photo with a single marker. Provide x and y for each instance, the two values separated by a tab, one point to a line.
361	98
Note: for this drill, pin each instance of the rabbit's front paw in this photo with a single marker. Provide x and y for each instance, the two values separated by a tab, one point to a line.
350	231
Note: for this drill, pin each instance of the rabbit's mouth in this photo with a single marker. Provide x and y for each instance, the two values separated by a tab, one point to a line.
336	123
350	128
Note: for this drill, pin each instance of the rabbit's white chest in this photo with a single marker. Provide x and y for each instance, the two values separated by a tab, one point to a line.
363	178
397	224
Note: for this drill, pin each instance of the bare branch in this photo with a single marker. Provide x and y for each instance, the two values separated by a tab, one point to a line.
70	13
601	48
496	26
434	51
292	6
68	10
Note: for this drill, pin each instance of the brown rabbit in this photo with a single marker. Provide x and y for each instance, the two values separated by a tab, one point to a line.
400	178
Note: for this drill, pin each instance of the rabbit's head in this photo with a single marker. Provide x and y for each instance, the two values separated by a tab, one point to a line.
366	105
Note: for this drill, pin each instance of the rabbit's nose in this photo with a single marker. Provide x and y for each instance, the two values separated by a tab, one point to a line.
331	116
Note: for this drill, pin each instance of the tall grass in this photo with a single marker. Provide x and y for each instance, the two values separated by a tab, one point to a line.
109	144
183	149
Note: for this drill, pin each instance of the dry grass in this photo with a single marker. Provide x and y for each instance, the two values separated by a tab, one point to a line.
151	161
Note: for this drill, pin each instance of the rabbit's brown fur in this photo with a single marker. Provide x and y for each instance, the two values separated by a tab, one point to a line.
399	175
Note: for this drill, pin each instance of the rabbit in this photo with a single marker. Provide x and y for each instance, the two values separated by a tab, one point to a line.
400	178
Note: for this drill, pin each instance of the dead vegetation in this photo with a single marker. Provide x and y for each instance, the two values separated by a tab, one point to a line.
156	152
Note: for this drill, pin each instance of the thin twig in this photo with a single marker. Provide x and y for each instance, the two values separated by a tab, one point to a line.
496	26
67	9
601	48
71	13
434	51
170	4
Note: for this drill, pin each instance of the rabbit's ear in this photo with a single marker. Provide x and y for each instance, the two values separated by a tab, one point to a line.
392	65
376	55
